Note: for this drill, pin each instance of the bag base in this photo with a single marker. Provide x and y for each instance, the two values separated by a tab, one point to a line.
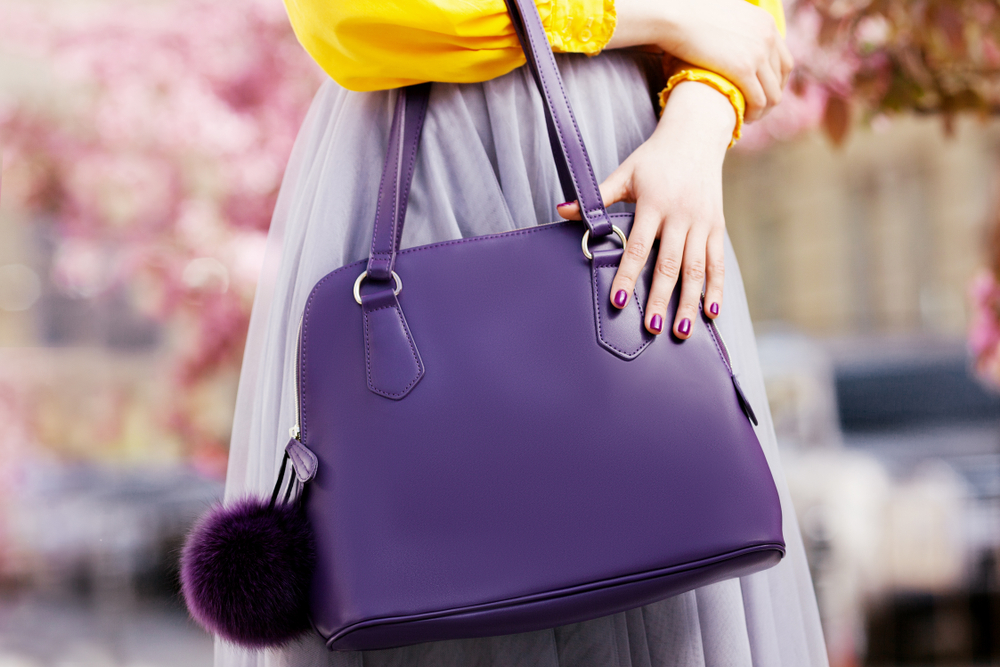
576	604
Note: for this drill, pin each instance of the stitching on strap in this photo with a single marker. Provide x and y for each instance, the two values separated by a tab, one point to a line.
411	166
381	184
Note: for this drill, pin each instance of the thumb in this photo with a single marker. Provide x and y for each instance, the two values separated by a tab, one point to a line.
615	188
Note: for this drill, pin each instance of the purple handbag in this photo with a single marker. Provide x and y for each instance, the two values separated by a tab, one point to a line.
485	445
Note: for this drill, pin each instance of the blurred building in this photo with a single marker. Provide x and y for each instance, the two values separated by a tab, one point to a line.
880	236
856	263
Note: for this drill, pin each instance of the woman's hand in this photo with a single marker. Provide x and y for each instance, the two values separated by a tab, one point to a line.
733	38
675	180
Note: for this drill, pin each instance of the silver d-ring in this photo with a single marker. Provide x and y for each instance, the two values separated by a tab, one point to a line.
357	285
586	237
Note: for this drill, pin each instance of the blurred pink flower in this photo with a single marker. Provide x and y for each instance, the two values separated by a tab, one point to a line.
159	158
984	325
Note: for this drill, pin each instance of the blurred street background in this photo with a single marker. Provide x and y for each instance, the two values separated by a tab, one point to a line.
143	145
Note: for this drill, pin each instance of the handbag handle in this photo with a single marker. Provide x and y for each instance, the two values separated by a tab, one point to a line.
576	175
397	175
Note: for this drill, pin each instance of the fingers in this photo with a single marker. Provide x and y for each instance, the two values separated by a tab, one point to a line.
640	241
569	210
776	68
773	69
692	281
787	62
771	85
646	225
755	97
665	274
615	188
618	187
695	255
715	267
771	79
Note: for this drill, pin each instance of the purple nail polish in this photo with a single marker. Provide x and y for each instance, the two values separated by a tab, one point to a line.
714	309
565	203
684	328
656	324
621	296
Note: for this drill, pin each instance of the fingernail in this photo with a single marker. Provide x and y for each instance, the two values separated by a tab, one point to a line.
621	296
684	328
714	309
656	324
565	203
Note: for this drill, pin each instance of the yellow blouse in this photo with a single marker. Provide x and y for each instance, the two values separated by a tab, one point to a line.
380	44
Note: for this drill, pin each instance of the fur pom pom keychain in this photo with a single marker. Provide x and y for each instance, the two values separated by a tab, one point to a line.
246	568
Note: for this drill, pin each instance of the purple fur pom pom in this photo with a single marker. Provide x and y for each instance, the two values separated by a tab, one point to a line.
246	570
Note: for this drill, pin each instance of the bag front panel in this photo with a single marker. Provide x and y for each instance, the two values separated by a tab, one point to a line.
528	459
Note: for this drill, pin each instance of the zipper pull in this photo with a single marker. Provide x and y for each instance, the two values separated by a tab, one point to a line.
304	462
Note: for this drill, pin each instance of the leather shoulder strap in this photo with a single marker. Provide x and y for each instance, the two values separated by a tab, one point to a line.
397	175
572	161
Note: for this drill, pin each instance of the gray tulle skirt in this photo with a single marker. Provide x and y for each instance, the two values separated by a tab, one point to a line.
484	166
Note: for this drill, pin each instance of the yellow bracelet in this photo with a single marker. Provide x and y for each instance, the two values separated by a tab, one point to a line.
720	83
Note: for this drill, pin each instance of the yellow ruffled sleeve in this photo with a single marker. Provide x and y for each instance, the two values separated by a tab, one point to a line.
380	44
684	72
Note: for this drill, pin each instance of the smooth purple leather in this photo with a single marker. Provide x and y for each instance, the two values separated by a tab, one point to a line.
498	449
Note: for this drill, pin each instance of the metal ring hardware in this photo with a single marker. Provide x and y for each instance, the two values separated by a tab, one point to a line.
586	237
357	285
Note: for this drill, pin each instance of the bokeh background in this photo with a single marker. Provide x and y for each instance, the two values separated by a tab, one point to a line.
143	147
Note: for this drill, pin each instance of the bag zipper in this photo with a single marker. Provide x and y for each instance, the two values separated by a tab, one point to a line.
724	353
296	430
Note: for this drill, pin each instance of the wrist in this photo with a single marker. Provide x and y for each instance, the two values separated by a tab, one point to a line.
701	109
670	25
720	84
643	23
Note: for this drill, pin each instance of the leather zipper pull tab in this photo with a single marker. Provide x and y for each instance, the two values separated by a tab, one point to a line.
304	462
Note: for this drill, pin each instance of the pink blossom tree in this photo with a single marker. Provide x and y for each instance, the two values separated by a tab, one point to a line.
161	168
861	59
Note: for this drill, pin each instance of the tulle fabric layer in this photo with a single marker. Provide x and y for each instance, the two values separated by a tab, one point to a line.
485	166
